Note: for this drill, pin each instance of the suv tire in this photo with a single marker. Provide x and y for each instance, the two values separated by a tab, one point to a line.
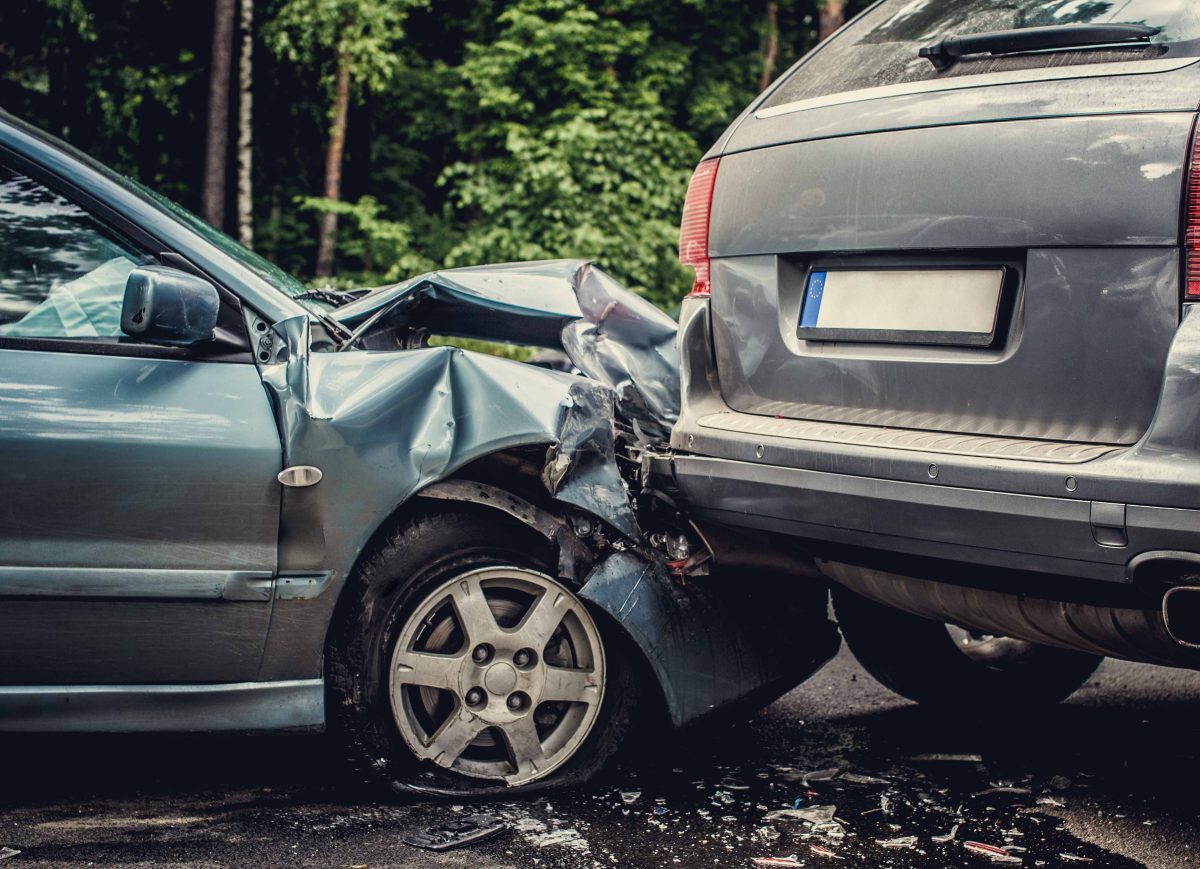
920	659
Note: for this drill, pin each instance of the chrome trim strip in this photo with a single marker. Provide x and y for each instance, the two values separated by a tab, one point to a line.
168	708
241	585
1057	73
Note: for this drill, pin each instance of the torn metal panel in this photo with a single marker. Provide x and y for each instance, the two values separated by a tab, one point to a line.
413	418
715	644
612	335
574	558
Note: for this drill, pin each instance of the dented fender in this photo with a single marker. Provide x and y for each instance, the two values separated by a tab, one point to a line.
715	645
386	419
381	426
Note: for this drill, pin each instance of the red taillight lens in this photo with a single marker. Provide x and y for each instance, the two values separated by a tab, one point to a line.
693	229
1191	228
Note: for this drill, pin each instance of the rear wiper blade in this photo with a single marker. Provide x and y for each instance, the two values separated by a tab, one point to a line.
946	52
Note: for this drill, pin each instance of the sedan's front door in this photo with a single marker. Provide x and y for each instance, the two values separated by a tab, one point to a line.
138	501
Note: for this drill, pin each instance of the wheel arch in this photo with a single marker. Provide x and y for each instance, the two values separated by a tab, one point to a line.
505	483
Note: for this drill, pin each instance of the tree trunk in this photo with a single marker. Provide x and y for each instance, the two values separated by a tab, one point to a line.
245	142
771	48
833	16
215	152
333	166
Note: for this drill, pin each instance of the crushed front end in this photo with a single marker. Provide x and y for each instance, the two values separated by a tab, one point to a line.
571	453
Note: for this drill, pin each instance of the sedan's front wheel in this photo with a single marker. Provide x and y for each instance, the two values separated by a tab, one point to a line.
460	664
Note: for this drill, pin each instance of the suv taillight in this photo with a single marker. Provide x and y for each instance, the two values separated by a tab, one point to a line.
693	229
1191	228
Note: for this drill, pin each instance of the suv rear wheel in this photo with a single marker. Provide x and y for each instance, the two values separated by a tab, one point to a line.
459	664
942	665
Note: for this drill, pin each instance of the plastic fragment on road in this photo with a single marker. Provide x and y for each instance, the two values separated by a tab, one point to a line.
819	775
946	837
1074	858
822	851
898	842
829	829
6	853
811	814
769	834
1060	782
996	855
630	797
778	861
457	833
856	778
1051	801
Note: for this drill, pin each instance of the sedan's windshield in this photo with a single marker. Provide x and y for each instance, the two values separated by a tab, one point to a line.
881	47
265	269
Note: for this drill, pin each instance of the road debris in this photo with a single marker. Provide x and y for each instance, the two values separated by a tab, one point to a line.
996	855
820	775
1004	789
822	851
630	797
1060	782
811	814
778	861
856	778
456	833
6	853
947	837
1051	801
898	842
1074	858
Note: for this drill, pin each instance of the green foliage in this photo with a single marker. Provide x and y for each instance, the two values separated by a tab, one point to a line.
384	247
367	34
480	130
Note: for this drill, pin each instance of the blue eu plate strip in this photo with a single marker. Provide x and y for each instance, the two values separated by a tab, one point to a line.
812	300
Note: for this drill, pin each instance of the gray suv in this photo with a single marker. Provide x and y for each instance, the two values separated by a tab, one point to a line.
943	343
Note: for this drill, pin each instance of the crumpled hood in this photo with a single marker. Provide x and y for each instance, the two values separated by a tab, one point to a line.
609	333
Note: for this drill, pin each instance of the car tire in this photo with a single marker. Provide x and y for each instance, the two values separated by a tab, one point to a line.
920	659
411	615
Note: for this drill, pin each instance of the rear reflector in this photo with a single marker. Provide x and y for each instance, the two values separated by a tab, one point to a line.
693	229
1191	230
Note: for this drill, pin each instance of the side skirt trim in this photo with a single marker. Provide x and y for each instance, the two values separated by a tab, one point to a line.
238	706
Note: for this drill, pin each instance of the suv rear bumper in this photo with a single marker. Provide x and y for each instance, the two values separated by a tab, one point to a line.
1027	533
1096	519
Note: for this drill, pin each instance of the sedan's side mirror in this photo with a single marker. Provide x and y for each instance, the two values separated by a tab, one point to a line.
166	306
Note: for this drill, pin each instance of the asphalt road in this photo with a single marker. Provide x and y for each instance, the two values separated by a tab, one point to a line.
1110	777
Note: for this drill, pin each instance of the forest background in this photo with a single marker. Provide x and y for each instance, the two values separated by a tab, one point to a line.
358	142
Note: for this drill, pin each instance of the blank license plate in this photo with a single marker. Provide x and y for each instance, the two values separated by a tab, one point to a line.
934	306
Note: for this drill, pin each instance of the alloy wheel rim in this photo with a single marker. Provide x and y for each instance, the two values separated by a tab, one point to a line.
497	674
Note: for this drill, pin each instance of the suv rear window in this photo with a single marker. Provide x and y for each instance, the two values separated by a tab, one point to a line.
880	47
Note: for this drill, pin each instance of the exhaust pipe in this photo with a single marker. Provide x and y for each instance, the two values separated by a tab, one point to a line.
1168	633
1181	614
